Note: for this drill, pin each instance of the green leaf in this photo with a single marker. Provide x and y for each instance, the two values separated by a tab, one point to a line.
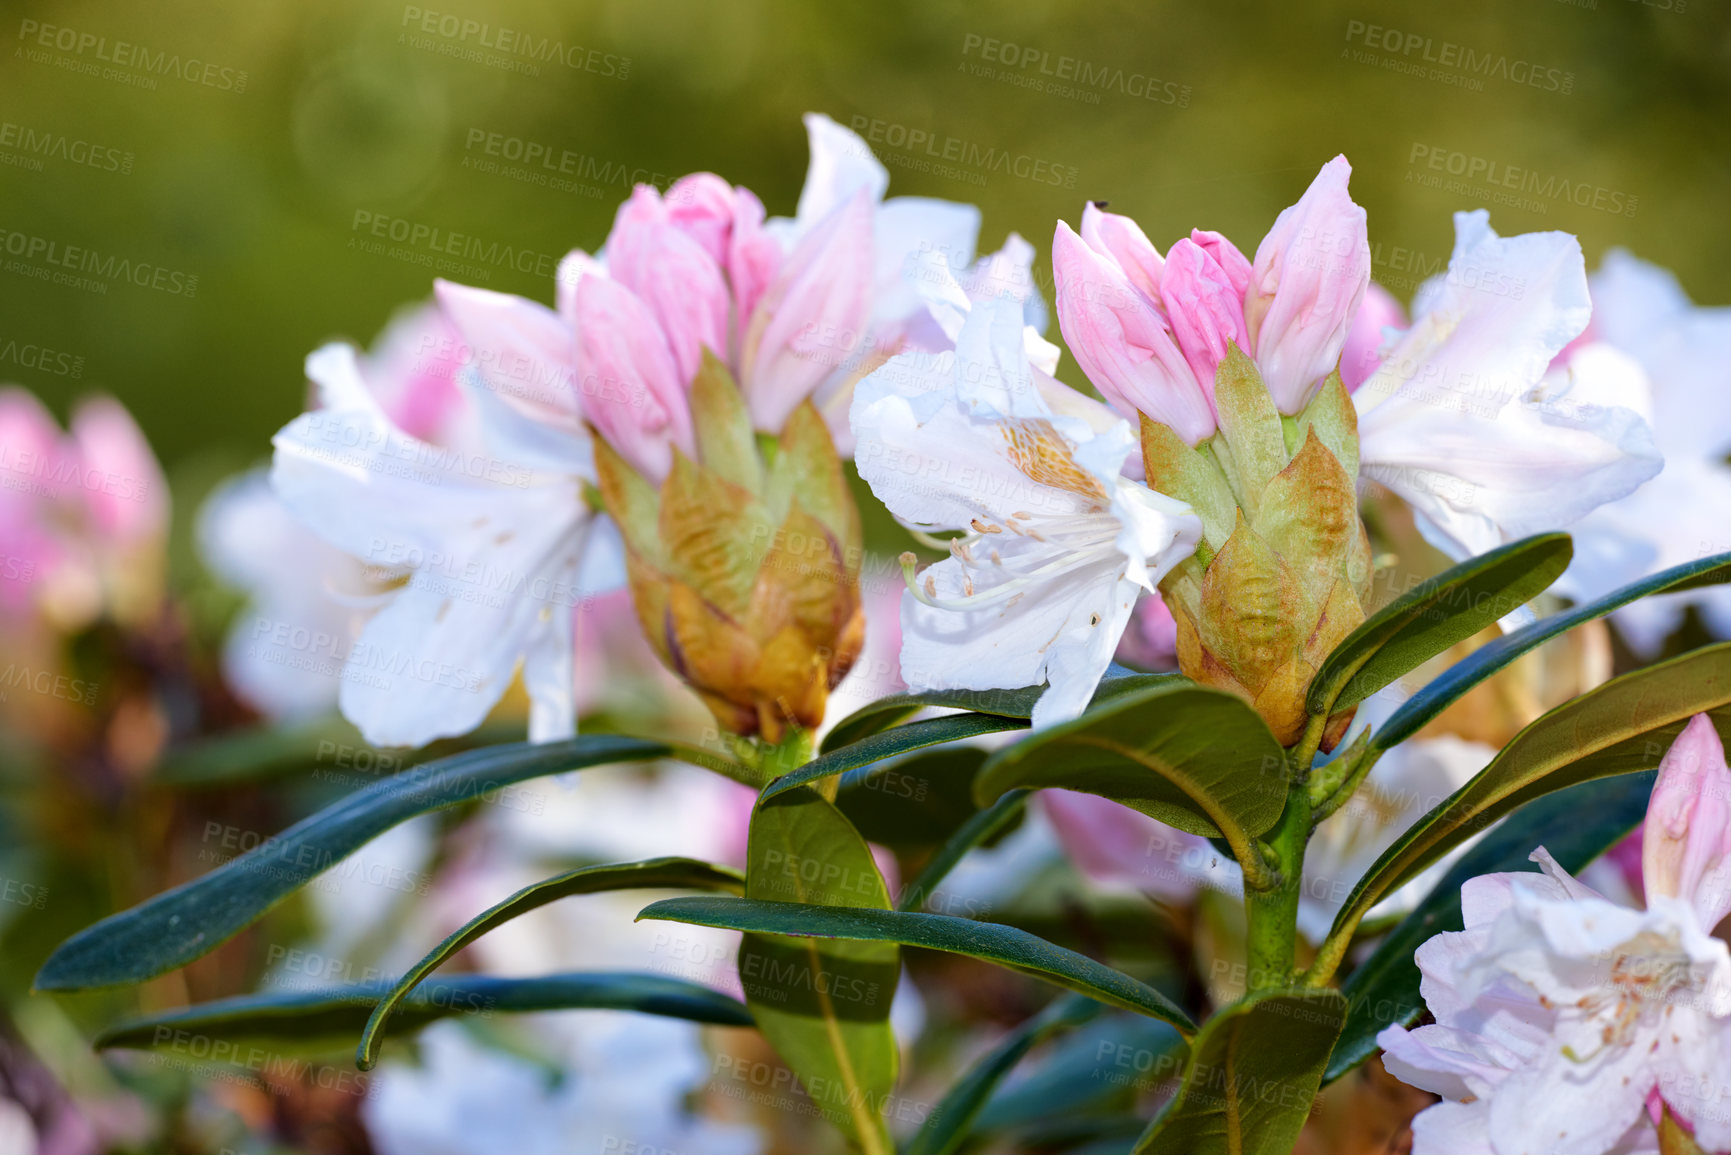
900	740
334	1014
825	1008
1252	1077
912	802
1622	726
1416	712
669	873
1019	703
196	917
988	941
984	826
1103	1061
1576	825
1192	757
948	1125
1434	615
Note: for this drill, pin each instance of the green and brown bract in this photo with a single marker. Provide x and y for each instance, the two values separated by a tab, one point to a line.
1284	567
744	565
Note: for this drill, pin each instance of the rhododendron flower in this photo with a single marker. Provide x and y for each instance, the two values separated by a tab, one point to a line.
1466	421
796	307
1150	331
308	599
1567	1023
83	515
1057	543
492	550
1640	312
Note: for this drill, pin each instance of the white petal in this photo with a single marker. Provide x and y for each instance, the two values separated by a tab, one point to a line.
1487	474
841	164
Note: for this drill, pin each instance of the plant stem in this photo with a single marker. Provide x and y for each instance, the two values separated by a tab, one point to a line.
1272	911
793	751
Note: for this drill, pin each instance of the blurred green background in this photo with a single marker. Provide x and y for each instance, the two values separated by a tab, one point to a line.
352	108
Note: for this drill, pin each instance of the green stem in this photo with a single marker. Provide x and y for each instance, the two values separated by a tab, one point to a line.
1271	910
793	751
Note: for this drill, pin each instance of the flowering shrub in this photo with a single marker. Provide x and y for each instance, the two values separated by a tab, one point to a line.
651	478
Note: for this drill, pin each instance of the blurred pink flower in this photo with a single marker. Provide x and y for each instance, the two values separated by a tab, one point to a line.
83	516
1362	354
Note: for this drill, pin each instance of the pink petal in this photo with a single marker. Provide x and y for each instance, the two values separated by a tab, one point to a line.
1362	354
627	381
1307	282
674	275
1205	312
1122	344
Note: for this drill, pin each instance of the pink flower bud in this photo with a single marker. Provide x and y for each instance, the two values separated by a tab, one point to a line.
1362	354
1122	240
1306	285
30	456
1205	312
673	275
123	487
702	206
1122	344
1227	256
811	320
628	385
753	256
1686	840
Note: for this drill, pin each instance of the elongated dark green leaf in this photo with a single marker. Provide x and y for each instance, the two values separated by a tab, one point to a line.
915	801
889	743
329	747
1434	615
668	873
988	941
1252	1076
1576	825
947	1126
182	924
980	829
1622	726
1113	1059
1416	712
1018	703
334	1014
1195	758
824	1007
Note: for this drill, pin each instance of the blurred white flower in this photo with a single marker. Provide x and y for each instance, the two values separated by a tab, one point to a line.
1640	312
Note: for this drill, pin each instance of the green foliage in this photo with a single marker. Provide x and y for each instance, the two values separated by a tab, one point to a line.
654	873
824	1006
1192	757
195	918
332	1016
988	941
1434	615
1252	1076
